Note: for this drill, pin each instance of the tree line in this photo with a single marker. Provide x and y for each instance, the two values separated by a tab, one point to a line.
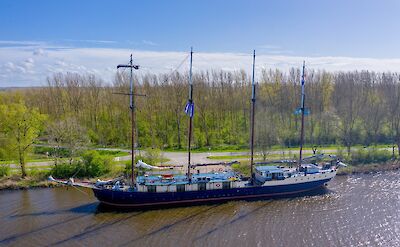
347	108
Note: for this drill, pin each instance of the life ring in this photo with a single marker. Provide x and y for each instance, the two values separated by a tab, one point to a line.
217	185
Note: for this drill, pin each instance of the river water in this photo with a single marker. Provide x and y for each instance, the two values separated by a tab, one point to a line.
359	210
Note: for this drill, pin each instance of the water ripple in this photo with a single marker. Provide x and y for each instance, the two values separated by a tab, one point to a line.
358	210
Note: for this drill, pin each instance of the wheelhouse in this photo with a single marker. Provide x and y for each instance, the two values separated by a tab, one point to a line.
268	173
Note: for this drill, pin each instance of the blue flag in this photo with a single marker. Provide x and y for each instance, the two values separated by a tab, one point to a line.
298	111
189	109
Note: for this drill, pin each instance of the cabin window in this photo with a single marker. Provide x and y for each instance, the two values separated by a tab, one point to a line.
226	185
202	186
151	188
180	188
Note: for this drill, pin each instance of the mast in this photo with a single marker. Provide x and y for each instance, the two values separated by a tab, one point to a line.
189	109
302	108
132	108
253	102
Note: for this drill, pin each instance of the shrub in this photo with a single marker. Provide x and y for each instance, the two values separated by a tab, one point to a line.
242	168
152	156
111	152
370	155
59	152
92	165
128	164
64	170
96	165
4	170
38	174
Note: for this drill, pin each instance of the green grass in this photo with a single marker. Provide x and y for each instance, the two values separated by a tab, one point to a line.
113	153
42	158
238	148
229	157
268	157
33	167
219	148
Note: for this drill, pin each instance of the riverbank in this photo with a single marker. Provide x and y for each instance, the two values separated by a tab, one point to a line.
15	182
369	168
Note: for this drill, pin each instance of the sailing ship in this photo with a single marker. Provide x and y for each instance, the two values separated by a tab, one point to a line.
266	180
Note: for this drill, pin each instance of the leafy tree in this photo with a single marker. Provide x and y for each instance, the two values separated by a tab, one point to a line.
21	127
354	107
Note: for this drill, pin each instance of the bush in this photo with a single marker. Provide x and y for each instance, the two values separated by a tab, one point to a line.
96	165
242	168
111	152
128	164
64	170
4	170
152	156
60	152
38	174
370	155
92	165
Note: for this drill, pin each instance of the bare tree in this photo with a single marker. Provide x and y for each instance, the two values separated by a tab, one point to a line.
347	101
69	134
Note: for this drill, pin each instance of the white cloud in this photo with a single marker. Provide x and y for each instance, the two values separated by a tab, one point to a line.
39	52
29	66
273	49
20	43
150	43
93	41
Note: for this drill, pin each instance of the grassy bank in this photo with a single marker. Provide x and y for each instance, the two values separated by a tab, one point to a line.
15	181
369	168
90	166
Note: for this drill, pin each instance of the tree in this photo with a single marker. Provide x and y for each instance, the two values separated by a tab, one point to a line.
20	126
391	92
348	103
70	133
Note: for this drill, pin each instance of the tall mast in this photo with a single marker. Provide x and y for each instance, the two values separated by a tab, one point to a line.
302	108
189	109
132	108
253	103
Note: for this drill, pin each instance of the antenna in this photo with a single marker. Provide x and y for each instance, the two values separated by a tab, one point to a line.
253	102
132	107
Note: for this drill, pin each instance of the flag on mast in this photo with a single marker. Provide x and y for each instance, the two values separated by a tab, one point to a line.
189	109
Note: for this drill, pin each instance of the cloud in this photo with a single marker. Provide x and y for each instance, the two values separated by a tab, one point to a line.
273	49
29	66
39	52
12	43
92	41
150	43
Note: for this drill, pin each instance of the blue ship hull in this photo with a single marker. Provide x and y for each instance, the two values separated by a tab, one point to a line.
133	199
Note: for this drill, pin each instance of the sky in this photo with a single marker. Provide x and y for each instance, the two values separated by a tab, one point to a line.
40	38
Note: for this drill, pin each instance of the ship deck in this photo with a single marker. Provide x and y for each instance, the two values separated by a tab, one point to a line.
182	179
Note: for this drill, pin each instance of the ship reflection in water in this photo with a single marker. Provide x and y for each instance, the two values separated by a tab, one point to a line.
354	210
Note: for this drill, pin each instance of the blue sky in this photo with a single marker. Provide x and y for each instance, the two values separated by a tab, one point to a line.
60	30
